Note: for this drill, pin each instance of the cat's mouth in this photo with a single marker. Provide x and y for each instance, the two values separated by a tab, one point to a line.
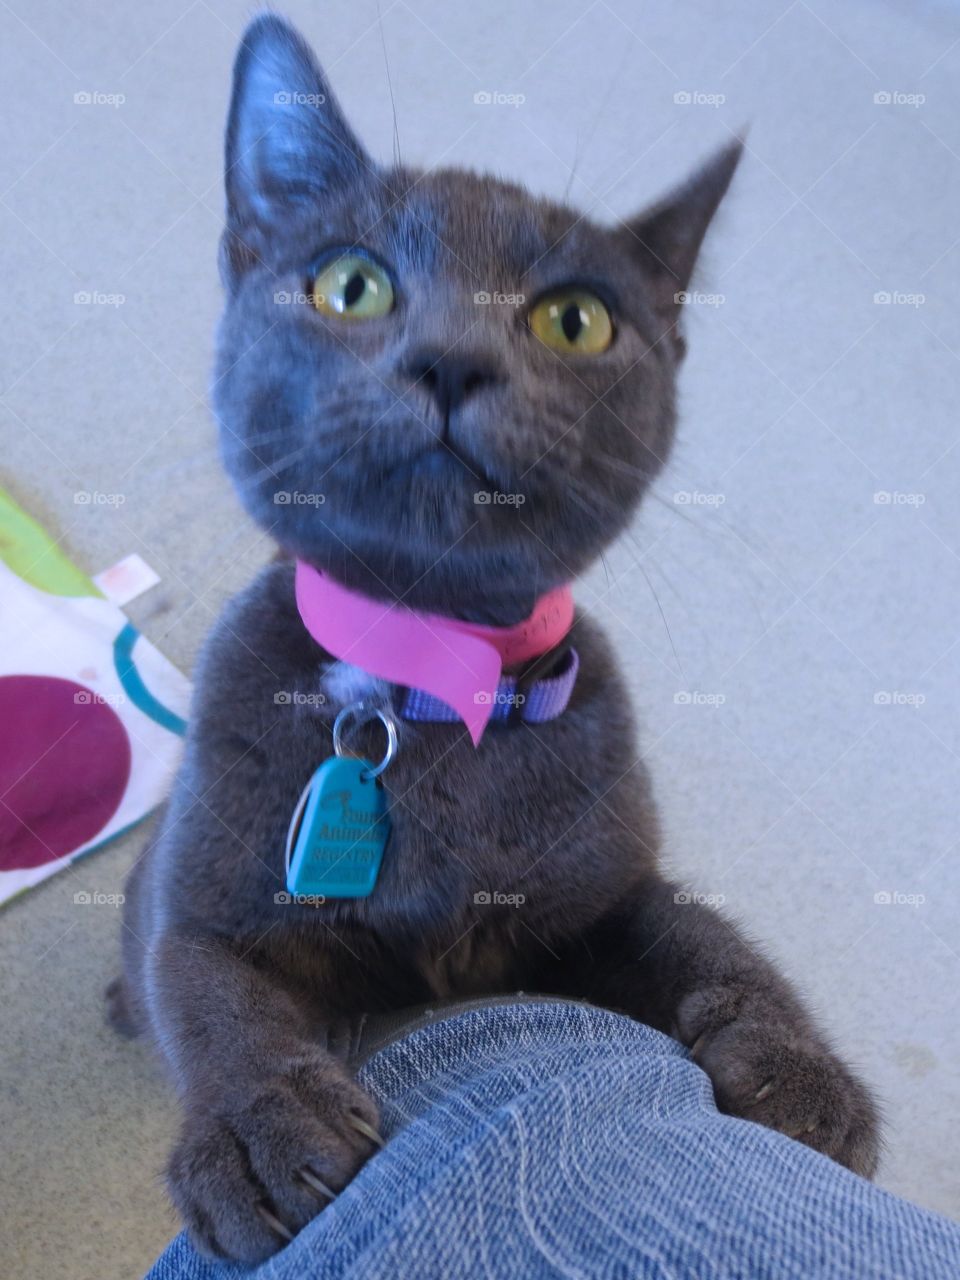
446	460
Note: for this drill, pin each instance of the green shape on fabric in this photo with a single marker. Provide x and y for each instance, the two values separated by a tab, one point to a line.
27	549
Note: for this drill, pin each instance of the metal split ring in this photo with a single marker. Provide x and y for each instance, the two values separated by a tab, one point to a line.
362	714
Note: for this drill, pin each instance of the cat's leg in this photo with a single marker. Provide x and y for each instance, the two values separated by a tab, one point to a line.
666	960
274	1125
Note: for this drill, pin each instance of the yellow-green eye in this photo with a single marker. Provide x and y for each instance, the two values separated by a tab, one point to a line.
353	288
573	321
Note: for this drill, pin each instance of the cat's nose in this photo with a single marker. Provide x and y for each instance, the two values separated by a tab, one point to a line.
451	377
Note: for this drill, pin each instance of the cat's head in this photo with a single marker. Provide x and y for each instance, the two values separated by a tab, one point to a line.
431	384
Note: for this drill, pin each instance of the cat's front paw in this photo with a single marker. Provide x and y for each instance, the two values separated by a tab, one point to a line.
250	1172
768	1065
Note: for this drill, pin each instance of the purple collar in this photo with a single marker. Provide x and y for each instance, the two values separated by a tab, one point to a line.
534	703
460	662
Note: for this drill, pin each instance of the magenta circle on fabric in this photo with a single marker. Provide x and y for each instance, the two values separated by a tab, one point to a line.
64	766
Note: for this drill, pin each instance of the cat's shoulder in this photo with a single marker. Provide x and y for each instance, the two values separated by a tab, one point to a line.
258	635
268	597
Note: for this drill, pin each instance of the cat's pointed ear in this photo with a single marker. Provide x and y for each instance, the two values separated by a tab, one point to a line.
668	236
287	143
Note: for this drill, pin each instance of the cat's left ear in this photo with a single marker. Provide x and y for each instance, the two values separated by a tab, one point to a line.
288	144
668	236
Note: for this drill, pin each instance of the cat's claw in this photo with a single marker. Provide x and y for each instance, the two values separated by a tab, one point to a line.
317	1185
698	1045
368	1131
274	1223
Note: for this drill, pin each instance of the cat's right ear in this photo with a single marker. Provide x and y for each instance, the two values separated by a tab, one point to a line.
667	238
288	144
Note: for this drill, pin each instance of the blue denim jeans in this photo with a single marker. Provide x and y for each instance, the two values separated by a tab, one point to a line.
553	1139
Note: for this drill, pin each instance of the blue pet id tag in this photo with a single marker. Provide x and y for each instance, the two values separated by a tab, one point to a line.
340	826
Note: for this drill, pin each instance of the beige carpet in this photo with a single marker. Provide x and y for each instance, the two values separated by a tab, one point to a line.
791	597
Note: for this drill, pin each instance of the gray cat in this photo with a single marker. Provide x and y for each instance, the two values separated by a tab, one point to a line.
399	402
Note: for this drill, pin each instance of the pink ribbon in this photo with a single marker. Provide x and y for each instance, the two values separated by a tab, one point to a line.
460	662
